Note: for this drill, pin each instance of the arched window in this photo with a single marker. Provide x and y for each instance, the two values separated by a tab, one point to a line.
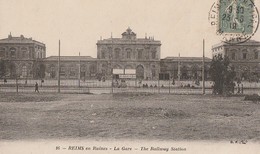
153	54
72	71
128	53
117	53
24	71
13	52
92	70
244	54
140	54
2	52
103	54
256	55
62	71
23	52
104	69
140	72
233	56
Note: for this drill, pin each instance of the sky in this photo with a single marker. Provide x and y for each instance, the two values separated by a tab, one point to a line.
180	25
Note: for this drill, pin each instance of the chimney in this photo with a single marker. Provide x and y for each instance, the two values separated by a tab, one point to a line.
10	36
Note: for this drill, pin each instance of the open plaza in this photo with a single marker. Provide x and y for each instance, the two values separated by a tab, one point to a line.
143	116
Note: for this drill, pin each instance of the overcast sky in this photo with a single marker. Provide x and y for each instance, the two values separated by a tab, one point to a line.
180	25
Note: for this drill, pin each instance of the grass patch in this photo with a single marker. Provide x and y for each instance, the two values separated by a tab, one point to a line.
128	116
28	97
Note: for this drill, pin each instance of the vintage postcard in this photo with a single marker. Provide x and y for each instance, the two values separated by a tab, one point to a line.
129	76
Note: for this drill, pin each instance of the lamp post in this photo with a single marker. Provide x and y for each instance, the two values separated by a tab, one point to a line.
203	68
59	69
79	72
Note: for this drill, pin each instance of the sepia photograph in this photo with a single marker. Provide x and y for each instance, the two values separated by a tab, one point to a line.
129	76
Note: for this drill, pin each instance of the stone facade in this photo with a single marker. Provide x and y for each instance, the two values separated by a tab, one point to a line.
22	56
190	67
70	66
244	58
129	52
26	58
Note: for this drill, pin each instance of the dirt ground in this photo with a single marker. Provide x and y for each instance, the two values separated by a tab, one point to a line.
127	116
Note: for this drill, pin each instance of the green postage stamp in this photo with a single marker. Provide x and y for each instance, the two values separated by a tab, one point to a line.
235	20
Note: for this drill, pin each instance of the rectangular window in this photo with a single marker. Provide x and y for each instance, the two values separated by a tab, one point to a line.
244	55
128	55
72	71
103	56
233	56
117	54
140	54
153	54
62	71
153	73
2	53
256	55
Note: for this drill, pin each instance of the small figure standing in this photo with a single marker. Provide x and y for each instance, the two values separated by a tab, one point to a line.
238	89
36	87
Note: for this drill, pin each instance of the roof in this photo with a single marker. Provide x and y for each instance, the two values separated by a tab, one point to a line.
126	41
69	58
249	42
20	39
188	59
128	32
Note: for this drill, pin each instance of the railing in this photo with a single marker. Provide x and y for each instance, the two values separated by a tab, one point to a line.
97	87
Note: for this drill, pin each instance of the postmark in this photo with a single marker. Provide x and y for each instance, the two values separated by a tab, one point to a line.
235	21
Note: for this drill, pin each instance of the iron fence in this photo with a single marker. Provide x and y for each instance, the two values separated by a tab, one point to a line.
98	87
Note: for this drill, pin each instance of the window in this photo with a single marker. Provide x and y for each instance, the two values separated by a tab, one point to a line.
92	70
103	55
2	52
117	52
233	56
72	71
12	50
153	54
153	73
140	54
244	55
23	52
62	71
128	53
256	55
6	54
53	72
31	54
24	71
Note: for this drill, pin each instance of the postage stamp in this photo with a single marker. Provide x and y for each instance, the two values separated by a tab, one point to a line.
236	21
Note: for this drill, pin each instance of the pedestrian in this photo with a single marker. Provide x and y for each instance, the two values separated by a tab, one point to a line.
36	87
238	89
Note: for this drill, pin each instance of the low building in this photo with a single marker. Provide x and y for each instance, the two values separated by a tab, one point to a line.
70	66
190	68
